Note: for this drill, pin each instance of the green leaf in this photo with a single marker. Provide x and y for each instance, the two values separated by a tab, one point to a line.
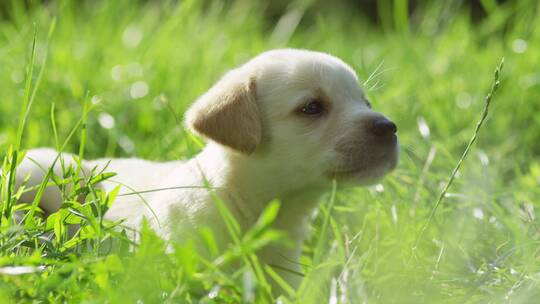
101	177
111	196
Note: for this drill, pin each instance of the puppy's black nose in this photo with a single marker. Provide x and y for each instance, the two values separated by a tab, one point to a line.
383	127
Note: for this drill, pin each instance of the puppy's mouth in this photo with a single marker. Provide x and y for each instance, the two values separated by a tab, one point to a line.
367	165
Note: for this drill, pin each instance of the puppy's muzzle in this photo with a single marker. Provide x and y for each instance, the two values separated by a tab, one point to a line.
371	150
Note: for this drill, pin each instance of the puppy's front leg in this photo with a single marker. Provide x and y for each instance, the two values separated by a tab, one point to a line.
292	219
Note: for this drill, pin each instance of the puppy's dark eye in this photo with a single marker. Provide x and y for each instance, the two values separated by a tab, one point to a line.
313	108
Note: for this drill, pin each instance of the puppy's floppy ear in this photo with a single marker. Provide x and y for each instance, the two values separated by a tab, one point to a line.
228	113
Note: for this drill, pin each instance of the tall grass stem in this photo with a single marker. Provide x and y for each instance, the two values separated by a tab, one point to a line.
487	102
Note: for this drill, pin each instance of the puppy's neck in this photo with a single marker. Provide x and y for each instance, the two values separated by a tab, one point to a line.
247	183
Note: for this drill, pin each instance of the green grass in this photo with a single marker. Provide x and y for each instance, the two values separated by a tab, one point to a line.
112	78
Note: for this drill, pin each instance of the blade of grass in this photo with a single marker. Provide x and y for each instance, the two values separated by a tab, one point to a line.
26	98
487	102
401	15
327	214
86	109
45	181
25	108
279	280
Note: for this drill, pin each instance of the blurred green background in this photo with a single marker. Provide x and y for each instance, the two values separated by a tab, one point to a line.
426	64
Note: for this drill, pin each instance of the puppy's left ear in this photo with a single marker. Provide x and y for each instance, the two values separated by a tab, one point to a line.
228	113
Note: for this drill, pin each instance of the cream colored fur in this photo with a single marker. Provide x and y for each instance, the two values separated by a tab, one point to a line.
260	147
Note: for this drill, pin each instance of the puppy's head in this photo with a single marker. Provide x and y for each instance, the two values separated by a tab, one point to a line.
301	113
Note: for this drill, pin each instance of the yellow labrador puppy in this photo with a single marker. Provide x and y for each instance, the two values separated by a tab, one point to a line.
283	125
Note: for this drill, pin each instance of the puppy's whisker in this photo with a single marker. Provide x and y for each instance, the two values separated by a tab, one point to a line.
374	74
374	86
377	86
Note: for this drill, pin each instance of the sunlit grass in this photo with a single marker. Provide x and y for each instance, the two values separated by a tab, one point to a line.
115	77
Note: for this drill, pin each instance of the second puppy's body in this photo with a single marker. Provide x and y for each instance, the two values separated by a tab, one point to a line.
281	126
